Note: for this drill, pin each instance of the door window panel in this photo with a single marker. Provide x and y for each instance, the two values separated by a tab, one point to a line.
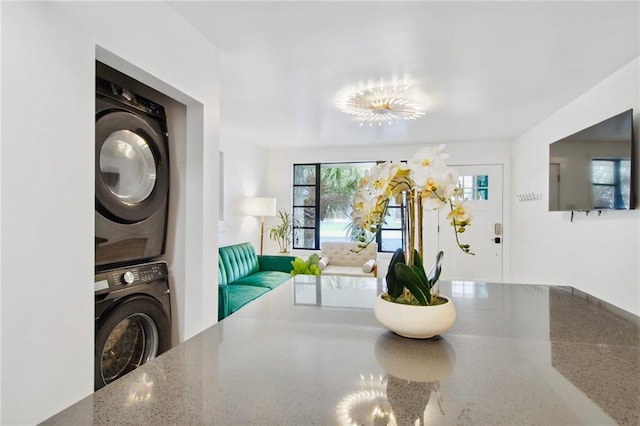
474	187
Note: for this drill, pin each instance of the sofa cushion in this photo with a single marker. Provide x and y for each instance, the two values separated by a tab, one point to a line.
240	295
222	274
266	279
323	262
369	265
223	301
237	261
348	254
280	263
244	276
346	270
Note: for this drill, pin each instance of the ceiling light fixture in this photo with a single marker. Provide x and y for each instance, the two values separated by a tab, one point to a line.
380	102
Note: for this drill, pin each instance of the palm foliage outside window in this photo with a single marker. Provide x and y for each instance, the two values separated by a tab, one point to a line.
322	197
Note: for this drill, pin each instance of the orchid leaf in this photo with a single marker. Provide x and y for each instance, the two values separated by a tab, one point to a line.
434	272
417	261
410	279
424	285
423	278
418	267
394	288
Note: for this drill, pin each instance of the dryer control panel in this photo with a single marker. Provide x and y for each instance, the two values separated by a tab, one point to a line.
130	276
128	97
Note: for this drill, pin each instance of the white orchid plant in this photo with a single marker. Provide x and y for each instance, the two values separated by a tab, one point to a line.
424	182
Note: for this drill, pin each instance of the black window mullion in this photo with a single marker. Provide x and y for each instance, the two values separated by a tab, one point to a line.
387	228
302	207
318	201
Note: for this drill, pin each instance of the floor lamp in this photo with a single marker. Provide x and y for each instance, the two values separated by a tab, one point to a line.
261	206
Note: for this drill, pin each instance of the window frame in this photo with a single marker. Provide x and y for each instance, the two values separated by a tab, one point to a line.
388	228
316	206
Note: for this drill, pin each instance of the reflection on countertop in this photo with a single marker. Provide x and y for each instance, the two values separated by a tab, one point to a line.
335	291
414	371
595	348
517	354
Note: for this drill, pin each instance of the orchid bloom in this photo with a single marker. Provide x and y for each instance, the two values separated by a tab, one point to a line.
435	181
460	213
427	174
368	209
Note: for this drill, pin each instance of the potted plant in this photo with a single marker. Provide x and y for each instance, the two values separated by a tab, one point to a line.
281	232
411	306
311	266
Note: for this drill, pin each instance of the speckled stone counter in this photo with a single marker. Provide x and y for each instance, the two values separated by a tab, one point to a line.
312	353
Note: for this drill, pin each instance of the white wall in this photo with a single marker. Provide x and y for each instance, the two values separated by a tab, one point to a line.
48	54
245	168
597	254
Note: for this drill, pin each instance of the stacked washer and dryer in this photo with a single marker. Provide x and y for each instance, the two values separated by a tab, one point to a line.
132	296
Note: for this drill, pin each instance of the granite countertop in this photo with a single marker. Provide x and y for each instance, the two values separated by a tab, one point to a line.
312	353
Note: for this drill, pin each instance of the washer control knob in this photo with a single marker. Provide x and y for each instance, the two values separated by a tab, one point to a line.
128	277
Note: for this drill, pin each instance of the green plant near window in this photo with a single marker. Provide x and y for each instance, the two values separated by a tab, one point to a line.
281	233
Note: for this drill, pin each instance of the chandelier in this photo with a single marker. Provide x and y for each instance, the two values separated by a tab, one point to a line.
378	103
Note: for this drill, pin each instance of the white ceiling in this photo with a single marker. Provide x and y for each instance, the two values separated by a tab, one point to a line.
487	70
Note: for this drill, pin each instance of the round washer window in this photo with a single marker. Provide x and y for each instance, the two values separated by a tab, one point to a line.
127	166
133	342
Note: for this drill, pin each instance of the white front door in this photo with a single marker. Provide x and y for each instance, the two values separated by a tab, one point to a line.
483	190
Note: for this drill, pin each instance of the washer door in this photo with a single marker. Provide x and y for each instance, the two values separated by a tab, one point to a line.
132	177
132	333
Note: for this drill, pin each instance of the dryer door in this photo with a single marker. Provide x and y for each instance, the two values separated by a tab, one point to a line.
132	174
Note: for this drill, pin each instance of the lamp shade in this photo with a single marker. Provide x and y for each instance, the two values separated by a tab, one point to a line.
260	206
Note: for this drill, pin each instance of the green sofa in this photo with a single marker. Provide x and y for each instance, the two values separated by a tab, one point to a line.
244	276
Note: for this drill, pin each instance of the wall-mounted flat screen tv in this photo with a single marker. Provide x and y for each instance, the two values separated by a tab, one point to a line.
593	169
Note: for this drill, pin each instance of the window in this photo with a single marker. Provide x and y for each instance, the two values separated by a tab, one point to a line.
322	197
474	187
610	183
389	238
305	211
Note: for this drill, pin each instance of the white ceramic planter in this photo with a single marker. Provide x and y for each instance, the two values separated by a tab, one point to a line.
416	322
